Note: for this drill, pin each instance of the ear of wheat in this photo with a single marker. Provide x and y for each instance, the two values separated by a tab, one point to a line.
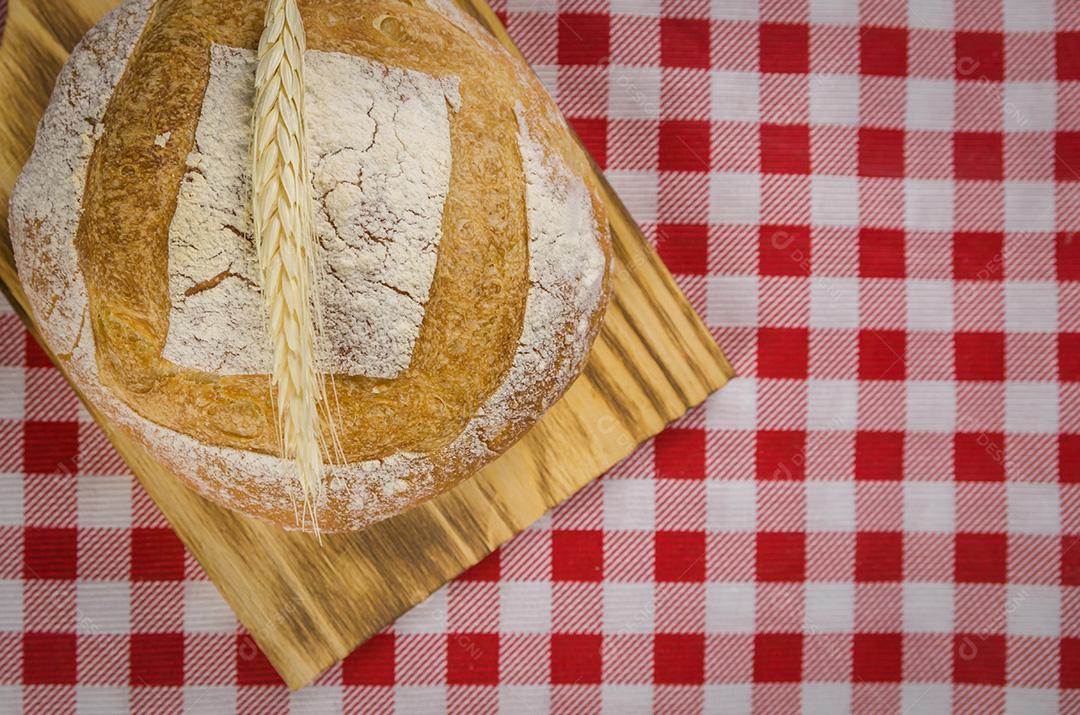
284	239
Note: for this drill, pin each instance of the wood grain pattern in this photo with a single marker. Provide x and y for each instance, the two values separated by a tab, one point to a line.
308	606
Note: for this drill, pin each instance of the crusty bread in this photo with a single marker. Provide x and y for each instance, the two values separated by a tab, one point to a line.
466	252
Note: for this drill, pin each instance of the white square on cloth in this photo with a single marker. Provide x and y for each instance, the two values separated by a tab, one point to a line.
834	12
1033	610
626	699
928	204
629	608
830	607
731	505
1031	307
734	407
834	302
928	607
1029	15
929	506
930	104
826	698
832	405
735	96
1029	206
524	698
735	199
830	506
834	99
931	405
1031	407
633	92
729	607
931	14
925	699
525	606
1033	508
629	504
929	305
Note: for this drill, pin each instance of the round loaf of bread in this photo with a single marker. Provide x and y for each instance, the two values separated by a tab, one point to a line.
464	255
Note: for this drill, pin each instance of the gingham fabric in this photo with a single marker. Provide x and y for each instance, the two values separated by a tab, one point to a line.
876	208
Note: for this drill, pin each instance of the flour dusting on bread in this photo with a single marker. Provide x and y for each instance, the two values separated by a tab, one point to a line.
379	148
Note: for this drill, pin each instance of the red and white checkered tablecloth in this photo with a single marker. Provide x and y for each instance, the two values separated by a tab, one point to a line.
876	208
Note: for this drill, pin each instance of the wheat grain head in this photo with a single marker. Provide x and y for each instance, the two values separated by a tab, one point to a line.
284	240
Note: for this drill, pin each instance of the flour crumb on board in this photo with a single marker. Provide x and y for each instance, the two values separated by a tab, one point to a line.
162	140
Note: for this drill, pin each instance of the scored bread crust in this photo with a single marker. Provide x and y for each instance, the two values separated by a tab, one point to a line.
90	223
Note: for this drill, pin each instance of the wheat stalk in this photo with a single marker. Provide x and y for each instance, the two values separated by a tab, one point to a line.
284	239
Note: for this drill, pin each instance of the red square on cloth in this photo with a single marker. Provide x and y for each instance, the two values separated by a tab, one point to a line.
882	354
680	453
679	659
1067	156
781	454
372	663
684	247
783	352
35	354
576	658
784	250
978	255
50	553
1070	663
979	155
48	658
879	456
50	447
487	569
879	556
252	666
877	657
979	457
881	152
785	149
684	42
781	556
784	48
1068	345
980	56
680	556
778	657
157	658
157	554
979	658
1067	248
881	253
472	658
577	555
584	38
981	558
1069	459
1067	47
1070	560
684	145
980	356
883	51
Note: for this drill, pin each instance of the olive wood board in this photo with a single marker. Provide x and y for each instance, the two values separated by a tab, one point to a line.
308	605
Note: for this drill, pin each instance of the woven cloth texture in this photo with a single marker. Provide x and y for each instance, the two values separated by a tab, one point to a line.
875	206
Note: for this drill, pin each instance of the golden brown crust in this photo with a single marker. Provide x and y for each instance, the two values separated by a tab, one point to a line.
473	320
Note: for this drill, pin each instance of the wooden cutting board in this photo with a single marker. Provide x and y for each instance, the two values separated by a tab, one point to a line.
308	606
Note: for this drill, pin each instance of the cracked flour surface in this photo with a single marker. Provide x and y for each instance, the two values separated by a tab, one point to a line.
379	148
